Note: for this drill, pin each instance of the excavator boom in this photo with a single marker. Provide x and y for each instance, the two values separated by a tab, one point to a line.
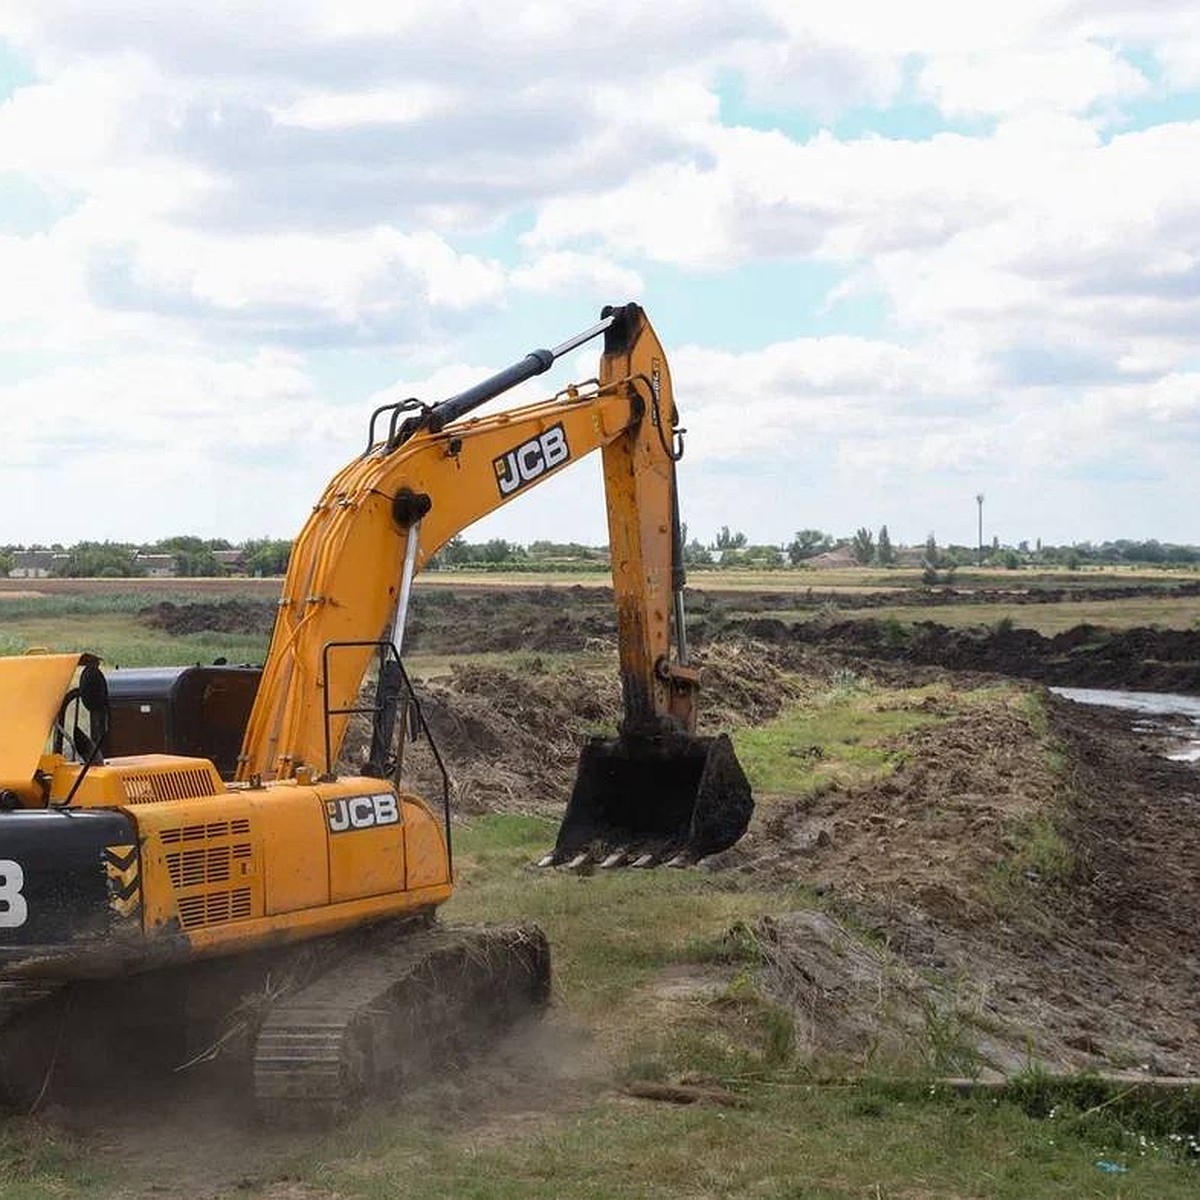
437	470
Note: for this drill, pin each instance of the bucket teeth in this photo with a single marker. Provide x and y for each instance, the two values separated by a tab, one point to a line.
681	859
580	860
547	860
655	796
616	859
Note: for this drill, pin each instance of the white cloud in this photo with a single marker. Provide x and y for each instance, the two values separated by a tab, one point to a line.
225	179
1065	79
385	106
568	273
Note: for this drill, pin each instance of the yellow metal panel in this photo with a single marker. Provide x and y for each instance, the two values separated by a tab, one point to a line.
428	863
202	862
365	824
31	690
291	821
310	923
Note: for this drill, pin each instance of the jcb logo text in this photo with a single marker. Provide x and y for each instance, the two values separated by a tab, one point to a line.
531	459
361	812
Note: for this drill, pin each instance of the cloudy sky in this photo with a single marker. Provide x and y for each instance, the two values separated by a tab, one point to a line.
898	253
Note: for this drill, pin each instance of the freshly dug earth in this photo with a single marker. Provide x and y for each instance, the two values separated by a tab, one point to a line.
222	616
1021	887
511	736
1025	895
441	621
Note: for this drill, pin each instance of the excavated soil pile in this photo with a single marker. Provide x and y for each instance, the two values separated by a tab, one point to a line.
511	736
1165	660
441	621
990	940
221	616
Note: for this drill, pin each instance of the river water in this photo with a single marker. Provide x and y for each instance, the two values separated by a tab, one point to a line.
1174	718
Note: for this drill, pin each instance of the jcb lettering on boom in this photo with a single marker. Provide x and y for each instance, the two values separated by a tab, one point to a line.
361	812
532	459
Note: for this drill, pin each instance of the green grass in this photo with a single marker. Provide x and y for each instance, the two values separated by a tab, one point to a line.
612	931
1047	619
122	640
847	735
109	599
792	1143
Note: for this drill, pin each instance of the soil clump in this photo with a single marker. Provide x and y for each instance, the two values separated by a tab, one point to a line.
511	735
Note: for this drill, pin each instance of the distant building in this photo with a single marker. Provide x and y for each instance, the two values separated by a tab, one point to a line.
157	566
33	564
841	556
231	560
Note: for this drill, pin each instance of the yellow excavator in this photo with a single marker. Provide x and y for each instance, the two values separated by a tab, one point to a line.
139	853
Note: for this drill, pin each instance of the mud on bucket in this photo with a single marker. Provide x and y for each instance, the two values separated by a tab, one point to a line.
648	799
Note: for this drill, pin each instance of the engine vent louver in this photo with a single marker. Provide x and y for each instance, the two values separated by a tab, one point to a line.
215	908
211	830
202	861
178	783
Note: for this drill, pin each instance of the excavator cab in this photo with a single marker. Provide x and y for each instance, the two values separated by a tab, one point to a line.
200	711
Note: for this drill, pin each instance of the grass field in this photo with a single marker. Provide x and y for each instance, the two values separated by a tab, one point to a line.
651	984
1167	612
101	615
795	1136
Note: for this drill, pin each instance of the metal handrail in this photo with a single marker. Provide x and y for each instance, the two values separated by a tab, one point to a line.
385	648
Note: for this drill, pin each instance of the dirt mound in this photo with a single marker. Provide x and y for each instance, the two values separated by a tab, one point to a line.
221	616
511	736
1165	660
1028	894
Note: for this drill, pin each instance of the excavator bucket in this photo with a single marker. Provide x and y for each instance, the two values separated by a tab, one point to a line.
640	801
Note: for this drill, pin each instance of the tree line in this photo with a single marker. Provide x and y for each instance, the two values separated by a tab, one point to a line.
193	557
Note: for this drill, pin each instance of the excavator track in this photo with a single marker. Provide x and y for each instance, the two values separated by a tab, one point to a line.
18	995
30	1015
386	1017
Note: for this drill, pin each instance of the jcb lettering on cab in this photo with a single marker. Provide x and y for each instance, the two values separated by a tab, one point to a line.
361	812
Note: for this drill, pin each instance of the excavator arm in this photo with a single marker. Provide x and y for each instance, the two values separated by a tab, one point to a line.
437	470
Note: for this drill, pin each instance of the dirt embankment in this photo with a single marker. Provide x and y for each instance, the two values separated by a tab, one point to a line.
441	621
936	597
221	616
1162	660
572	619
1027	895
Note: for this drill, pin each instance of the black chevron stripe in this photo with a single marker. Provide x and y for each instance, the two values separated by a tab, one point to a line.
121	864
128	890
